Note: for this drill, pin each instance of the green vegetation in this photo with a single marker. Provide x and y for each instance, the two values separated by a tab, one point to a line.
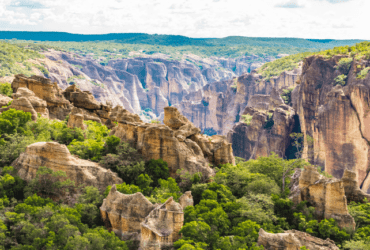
363	73
341	79
344	64
247	119
12	57
6	89
287	95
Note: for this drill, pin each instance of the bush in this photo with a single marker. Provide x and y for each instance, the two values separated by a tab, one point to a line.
344	64
87	149
247	119
363	73
13	121
157	169
6	89
341	79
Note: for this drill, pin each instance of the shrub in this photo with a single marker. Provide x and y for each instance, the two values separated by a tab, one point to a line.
13	121
341	79
247	119
6	89
363	73
344	64
157	169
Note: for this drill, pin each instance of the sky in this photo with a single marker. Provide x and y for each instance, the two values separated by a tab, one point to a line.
316	19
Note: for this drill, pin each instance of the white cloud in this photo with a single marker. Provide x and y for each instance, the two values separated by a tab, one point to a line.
337	19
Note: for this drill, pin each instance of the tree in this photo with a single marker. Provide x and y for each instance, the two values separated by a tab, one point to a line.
157	169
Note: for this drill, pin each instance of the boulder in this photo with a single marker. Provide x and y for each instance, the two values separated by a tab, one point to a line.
24	104
57	157
123	213
293	240
162	226
81	99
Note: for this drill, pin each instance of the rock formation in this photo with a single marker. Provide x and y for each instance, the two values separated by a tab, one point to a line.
335	116
123	213
326	195
76	119
293	240
219	105
186	200
179	143
57	157
269	129
38	104
351	187
4	100
162	226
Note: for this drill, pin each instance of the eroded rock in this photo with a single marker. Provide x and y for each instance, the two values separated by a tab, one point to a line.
293	240
57	157
162	226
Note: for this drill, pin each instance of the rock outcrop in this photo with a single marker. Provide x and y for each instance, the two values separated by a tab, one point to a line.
4	100
268	130
178	142
123	213
293	240
186	200
162	226
57	157
335	116
76	119
326	195
38	104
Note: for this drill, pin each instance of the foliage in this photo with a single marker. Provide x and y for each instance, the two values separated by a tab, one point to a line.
363	73
128	163
87	149
344	64
247	119
157	169
6	89
341	79
166	189
13	121
287	95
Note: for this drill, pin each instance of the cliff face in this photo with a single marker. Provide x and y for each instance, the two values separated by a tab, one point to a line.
219	105
268	130
336	117
151	82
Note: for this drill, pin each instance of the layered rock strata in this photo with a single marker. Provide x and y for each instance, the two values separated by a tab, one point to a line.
57	157
335	116
293	240
326	195
178	142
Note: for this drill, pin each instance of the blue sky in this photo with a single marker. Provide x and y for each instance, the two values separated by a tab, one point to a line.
335	19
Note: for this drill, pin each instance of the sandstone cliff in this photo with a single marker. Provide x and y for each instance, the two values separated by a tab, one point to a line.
178	142
336	117
293	240
219	105
268	130
57	157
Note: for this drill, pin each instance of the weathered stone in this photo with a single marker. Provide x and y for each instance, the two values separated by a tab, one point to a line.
326	195
76	119
39	105
57	157
264	134
352	188
162	226
335	117
44	89
24	104
186	200
81	99
123	213
4	100
293	240
156	141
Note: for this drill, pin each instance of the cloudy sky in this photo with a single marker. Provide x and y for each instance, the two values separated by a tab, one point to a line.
336	19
